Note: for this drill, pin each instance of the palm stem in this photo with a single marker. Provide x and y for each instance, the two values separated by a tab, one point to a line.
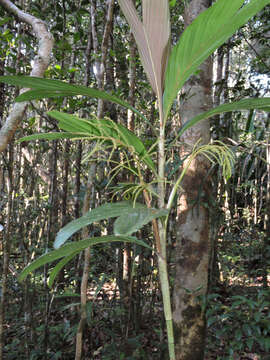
165	290
162	258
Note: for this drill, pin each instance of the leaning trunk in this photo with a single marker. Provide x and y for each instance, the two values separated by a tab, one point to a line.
193	247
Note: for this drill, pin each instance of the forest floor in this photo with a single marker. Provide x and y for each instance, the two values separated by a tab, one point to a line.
244	290
238	324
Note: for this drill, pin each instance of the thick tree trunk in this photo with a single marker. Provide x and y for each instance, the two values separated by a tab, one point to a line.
193	246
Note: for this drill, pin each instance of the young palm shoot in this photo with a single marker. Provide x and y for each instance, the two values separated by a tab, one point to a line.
152	35
167	74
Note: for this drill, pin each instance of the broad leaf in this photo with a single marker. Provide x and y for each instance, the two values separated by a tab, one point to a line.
105	129
102	212
152	37
201	38
73	248
48	88
59	267
135	219
51	136
245	104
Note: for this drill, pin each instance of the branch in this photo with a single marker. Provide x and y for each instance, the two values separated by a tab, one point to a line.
41	62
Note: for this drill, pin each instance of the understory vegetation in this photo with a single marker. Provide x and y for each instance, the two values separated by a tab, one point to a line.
237	308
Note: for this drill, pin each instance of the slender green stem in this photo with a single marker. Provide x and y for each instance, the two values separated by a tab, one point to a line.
162	259
165	289
177	183
161	167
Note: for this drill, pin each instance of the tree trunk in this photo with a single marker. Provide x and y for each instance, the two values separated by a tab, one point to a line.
193	246
40	64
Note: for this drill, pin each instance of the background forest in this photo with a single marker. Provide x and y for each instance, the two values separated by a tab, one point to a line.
106	302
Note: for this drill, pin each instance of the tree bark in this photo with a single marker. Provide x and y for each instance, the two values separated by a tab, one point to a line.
41	62
192	242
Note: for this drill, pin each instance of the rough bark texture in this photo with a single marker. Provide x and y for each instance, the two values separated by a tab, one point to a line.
193	247
41	62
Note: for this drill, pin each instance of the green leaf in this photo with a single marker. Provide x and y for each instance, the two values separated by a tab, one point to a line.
201	38
50	136
250	122
135	219
250	342
73	248
102	212
67	294
172	3
267	109
5	20
71	123
245	104
247	329
48	88
267	344
257	317
211	320
59	267
107	129
238	334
